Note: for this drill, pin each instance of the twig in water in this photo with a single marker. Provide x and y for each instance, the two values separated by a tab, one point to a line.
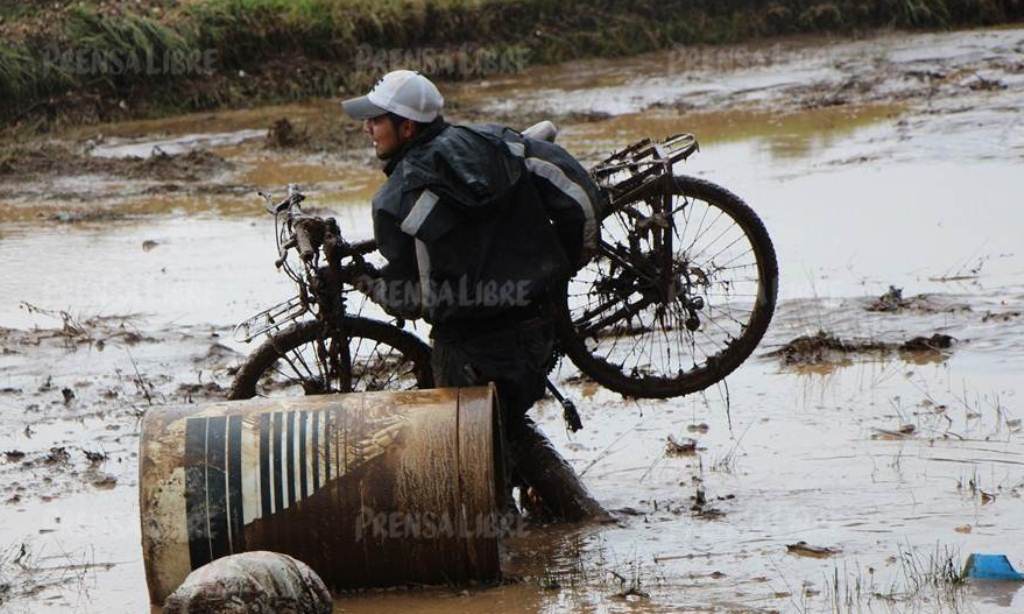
141	383
603	453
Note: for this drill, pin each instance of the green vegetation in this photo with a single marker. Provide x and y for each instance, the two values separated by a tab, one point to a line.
91	65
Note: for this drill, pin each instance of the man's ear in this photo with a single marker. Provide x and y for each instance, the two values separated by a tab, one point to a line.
407	129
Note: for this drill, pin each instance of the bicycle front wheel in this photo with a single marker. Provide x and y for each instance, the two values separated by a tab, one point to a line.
379	357
680	295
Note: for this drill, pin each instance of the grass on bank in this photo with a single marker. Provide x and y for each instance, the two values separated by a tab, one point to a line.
272	50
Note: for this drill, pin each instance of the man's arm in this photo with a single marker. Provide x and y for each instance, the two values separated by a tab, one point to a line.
396	286
571	198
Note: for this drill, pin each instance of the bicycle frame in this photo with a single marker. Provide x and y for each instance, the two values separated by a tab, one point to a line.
642	163
322	288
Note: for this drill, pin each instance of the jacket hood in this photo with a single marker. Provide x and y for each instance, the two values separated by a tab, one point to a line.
473	169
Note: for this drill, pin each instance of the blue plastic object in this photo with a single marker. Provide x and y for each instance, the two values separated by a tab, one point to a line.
991	567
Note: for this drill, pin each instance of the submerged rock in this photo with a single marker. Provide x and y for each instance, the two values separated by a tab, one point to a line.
251	583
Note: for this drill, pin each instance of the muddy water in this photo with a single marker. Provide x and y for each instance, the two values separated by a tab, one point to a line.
893	160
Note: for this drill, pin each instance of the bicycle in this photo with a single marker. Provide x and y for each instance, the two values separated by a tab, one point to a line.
653	290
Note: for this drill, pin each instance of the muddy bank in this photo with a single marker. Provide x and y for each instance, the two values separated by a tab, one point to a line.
822	348
56	160
160	58
790	95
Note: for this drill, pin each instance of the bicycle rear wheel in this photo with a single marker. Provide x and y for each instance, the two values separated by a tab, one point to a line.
643	332
380	357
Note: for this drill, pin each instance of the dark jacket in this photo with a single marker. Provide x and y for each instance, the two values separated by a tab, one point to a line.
571	199
464	230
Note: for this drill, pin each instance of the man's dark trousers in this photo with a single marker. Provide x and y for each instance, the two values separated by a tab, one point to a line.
516	357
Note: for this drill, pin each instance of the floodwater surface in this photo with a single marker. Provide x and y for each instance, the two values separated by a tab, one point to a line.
890	161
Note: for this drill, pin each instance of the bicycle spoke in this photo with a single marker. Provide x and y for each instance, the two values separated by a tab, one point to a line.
721	251
715	240
356	354
286	376
624	312
700	226
593	312
298	357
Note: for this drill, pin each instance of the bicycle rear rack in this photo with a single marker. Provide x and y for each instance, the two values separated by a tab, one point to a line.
629	168
270	319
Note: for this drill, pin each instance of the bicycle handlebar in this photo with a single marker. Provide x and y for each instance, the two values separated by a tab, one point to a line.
361	248
308	232
304	243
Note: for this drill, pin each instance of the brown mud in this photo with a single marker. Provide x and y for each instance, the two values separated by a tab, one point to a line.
897	463
893	301
824	347
55	160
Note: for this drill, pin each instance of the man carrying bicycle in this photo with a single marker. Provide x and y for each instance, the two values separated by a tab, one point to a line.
477	224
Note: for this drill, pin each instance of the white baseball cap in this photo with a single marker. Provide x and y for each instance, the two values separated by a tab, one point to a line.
403	92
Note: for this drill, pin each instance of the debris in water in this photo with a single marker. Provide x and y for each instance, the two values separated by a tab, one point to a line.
686	447
105	482
79	216
262	581
58	454
629	511
991	567
802	548
78	330
632	589
893	301
207	390
905	430
981	84
95	457
825	347
698	428
820	347
1000	317
936	342
283	134
710	513
890	301
217	356
700	508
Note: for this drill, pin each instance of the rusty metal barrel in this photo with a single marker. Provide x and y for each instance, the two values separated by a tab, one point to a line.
368	489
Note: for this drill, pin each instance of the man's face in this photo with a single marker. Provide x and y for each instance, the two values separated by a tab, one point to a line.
386	139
